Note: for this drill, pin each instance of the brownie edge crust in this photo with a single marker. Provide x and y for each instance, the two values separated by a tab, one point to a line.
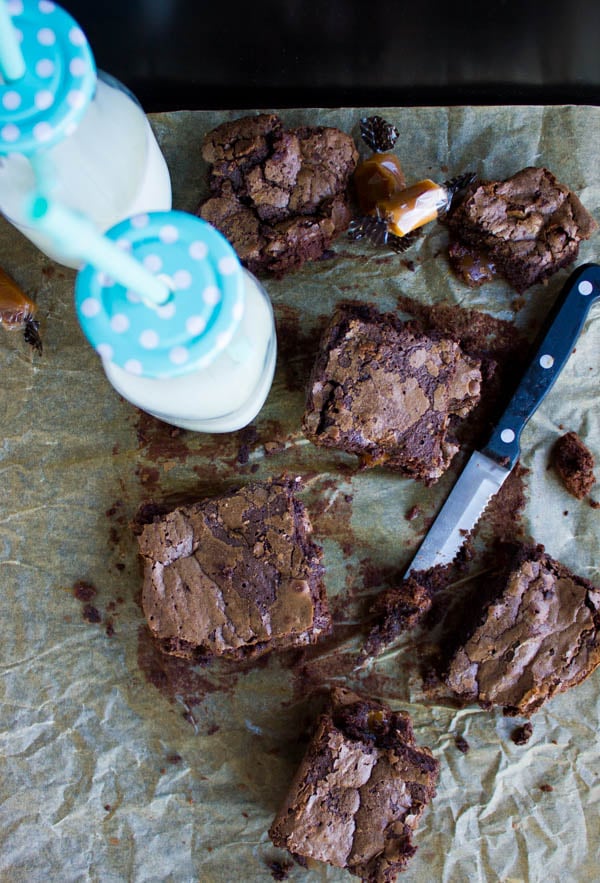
359	792
235	575
539	635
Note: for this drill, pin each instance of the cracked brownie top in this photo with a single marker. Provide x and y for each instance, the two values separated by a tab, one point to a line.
279	196
234	575
527	227
387	392
539	635
359	792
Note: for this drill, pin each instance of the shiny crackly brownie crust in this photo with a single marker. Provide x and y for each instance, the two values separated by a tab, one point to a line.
235	575
279	195
387	392
359	792
537	635
526	228
574	463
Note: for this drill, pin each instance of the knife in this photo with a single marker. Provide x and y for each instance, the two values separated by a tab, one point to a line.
487	470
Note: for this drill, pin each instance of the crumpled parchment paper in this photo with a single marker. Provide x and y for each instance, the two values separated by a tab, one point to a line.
120	766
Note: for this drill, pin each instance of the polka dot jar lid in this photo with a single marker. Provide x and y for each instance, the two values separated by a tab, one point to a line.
47	103
198	320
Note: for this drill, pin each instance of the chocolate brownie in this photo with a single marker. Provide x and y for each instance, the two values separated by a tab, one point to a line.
234	575
398	609
384	390
279	195
574	463
359	792
537	634
528	227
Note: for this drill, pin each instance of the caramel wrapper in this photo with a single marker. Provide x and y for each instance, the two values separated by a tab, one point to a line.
120	764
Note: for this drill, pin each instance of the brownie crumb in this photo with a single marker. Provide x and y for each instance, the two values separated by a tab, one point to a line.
574	464
91	613
396	610
243	455
521	735
402	607
462	744
413	513
280	870
84	591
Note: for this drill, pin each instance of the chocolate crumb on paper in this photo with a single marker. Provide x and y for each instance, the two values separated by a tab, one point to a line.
574	464
280	870
279	195
521	735
462	744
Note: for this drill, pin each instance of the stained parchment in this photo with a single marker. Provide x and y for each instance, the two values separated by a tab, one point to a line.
122	766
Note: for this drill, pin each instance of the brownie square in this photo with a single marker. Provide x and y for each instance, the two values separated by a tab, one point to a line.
388	392
537	635
235	575
528	227
359	792
574	463
279	195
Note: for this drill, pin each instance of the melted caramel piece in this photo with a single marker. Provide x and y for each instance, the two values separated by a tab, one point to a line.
16	309
414	206
472	265
377	180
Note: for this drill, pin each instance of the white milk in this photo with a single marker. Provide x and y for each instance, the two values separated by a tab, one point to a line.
110	168
227	394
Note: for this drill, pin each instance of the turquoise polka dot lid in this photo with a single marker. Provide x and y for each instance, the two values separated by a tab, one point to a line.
193	326
47	103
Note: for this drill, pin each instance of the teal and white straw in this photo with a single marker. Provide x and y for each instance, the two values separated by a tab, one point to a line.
74	234
12	63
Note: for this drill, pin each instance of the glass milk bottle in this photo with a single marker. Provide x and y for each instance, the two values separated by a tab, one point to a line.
205	358
71	132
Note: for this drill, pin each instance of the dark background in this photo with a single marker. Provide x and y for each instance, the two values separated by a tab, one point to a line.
194	54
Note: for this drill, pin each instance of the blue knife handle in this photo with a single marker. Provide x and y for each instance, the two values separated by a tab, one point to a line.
550	354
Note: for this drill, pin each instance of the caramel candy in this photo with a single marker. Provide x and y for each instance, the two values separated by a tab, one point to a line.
17	311
413	207
377	180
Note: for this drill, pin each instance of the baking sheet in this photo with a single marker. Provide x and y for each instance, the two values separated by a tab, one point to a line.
122	766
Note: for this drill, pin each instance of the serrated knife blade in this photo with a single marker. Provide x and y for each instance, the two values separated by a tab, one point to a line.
487	470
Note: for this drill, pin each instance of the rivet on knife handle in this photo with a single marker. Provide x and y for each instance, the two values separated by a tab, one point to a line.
551	351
